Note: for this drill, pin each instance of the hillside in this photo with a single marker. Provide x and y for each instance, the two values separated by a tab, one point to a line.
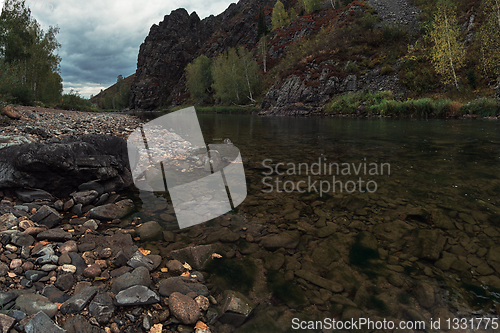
374	46
106	96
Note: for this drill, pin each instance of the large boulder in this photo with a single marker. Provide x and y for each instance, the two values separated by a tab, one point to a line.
60	165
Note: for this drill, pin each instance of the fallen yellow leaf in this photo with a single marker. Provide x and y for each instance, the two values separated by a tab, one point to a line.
187	266
185	274
164	270
145	252
201	325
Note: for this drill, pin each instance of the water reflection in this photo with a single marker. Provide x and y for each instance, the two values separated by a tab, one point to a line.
424	245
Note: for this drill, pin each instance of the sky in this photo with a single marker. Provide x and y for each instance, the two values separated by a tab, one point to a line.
100	39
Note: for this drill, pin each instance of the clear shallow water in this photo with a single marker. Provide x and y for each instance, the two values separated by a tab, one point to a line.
423	245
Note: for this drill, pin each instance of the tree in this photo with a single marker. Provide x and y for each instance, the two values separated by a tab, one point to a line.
280	17
236	76
311	5
448	53
28	49
199	77
489	37
262	29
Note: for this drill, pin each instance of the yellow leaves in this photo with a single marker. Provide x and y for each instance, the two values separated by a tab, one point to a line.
145	252
201	325
186	274
216	256
187	266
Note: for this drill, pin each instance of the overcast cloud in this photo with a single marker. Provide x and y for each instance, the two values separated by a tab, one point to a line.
100	39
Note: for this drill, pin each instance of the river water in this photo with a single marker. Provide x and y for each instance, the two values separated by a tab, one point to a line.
398	218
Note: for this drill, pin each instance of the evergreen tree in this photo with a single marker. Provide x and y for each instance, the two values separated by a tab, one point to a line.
262	29
280	17
448	53
199	77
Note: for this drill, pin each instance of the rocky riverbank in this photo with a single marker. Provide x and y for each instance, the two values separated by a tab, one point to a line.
66	262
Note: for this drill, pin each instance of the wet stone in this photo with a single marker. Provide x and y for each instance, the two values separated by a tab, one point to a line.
8	221
34	275
22	239
55	235
139	259
112	211
102	307
287	239
183	285
84	197
6	297
78	262
150	231
184	308
236	308
69	246
42	323
79	324
33	303
27	195
76	303
47	216
54	294
65	281
139	276
92	271
136	295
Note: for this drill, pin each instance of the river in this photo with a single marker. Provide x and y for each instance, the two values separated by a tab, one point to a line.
399	218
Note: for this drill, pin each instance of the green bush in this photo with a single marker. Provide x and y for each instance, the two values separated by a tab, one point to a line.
387	69
22	95
393	33
73	101
485	107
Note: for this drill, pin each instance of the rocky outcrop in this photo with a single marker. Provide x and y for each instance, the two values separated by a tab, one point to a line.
60	165
180	38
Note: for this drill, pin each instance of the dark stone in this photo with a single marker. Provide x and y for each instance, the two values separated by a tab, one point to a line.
54	294
65	281
78	262
287	239
112	211
6	297
120	259
92	185
139	276
183	285
33	303
22	239
85	197
139	259
102	308
55	235
79	324
27	195
42	323
136	295
76	303
34	275
236	308
60	165
150	231
196	256
47	216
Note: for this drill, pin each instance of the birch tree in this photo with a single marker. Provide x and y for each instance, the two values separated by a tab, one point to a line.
489	37
448	52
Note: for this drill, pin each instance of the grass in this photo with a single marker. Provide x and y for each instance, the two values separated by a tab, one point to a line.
384	103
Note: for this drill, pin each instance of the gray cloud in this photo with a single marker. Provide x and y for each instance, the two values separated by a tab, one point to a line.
100	39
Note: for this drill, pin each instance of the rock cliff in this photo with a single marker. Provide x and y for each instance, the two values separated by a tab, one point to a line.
179	39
